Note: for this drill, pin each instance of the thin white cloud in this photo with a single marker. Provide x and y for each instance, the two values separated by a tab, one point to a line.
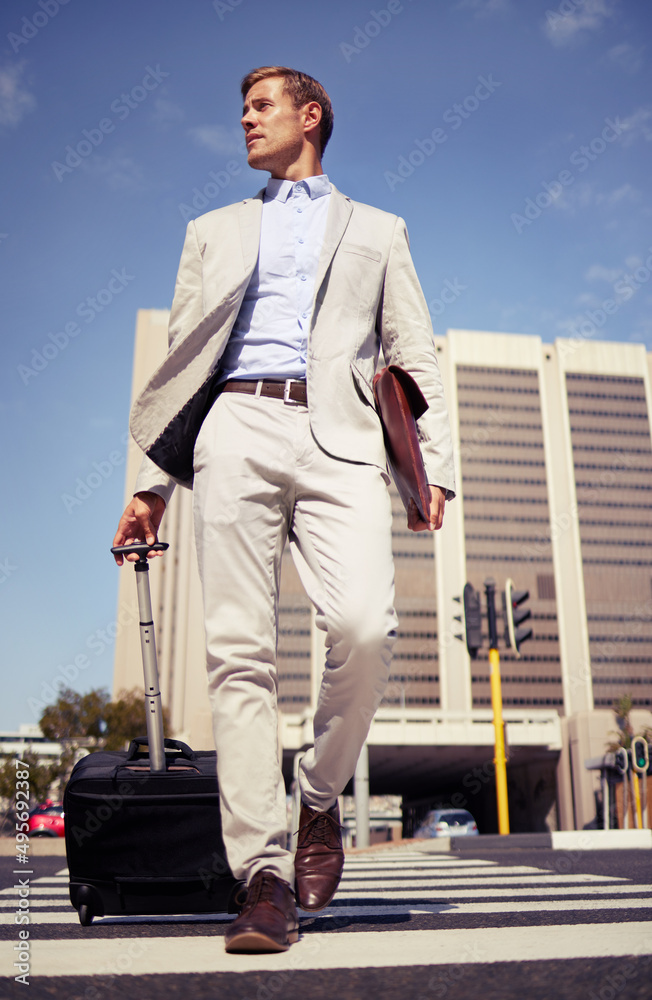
219	139
620	195
637	126
568	327
597	272
577	196
563	26
16	101
119	172
626	57
586	299
643	331
584	194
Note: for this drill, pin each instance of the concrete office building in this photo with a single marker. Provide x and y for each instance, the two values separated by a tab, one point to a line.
554	453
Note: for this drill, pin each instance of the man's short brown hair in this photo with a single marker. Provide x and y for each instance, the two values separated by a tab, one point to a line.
301	88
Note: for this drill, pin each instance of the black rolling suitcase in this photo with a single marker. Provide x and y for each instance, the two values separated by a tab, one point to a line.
143	830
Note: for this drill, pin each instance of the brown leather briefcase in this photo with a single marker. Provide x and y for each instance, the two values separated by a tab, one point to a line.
400	403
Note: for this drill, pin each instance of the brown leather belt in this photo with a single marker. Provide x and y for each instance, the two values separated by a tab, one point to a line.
286	390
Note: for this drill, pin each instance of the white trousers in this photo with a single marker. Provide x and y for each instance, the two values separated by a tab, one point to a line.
261	479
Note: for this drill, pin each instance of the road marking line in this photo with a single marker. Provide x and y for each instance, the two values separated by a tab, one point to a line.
515	880
465	873
42	890
497	891
363	949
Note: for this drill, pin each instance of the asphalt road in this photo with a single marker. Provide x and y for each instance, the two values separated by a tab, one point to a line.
500	925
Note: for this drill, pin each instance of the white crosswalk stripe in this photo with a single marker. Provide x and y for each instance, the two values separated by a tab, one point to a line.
437	894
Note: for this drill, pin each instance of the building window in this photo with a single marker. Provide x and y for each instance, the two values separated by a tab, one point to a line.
546	587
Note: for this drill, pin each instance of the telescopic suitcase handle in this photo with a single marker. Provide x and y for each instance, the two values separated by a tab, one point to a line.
153	706
182	749
139	548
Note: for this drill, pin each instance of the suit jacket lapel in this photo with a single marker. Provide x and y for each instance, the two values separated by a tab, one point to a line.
339	213
250	215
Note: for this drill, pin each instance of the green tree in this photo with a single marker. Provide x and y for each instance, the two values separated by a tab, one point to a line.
42	778
94	722
76	719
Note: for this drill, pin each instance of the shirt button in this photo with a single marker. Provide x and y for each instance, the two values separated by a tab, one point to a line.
303	277
299	210
300	241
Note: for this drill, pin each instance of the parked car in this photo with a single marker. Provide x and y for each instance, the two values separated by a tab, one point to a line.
447	823
46	820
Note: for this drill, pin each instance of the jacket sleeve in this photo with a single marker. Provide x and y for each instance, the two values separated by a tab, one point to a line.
151	479
185	314
407	340
188	304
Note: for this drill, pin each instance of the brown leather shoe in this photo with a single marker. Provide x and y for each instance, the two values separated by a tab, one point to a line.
268	919
319	860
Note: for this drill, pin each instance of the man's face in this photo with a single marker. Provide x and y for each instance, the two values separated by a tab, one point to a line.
273	127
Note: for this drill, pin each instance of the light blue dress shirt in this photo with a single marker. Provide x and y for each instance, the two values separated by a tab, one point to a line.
270	335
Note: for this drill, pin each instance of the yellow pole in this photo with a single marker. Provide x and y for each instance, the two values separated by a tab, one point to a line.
499	743
637	800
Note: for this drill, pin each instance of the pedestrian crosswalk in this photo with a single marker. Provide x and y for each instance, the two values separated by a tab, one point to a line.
397	907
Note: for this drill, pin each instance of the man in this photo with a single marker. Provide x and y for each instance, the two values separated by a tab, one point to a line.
280	306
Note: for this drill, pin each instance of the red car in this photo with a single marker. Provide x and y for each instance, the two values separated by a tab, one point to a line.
46	820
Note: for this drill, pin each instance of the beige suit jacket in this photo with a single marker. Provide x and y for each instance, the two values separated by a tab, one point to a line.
367	296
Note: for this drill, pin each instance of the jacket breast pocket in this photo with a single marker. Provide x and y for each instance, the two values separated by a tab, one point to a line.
362	251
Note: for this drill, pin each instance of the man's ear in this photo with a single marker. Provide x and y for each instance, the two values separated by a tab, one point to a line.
311	116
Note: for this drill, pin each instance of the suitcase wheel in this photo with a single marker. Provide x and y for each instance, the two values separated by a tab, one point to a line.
87	901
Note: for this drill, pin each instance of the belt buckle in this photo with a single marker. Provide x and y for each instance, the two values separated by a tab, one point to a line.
286	389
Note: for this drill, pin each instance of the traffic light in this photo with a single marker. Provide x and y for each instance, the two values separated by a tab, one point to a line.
513	616
622	760
640	754
473	620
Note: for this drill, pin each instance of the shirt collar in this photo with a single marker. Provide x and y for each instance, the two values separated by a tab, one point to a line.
280	190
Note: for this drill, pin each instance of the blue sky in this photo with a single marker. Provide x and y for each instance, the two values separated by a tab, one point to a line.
514	138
